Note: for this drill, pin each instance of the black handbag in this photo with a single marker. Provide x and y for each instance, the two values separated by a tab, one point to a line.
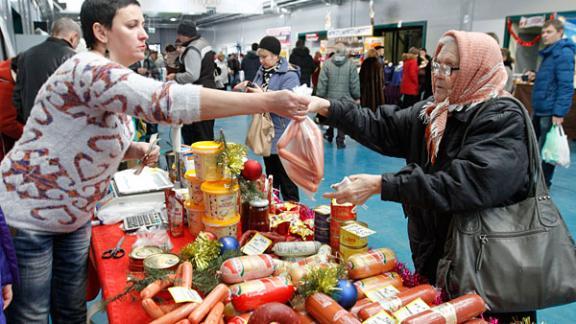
519	257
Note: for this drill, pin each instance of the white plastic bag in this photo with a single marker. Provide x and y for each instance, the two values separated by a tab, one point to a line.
556	149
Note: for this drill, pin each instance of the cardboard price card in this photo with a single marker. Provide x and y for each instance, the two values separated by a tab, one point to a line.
381	318
359	230
182	295
378	294
415	307
257	245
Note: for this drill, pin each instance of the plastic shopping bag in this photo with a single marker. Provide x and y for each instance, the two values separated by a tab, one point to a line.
301	152
556	149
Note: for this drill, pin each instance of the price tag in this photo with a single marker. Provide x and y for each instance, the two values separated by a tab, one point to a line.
415	307
257	245
181	295
359	230
382	293
381	318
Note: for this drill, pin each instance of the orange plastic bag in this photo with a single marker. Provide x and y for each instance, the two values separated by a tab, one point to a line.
301	152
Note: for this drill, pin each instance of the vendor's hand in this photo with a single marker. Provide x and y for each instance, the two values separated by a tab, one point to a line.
254	88
170	76
319	105
357	190
288	104
7	295
142	71
137	151
241	87
557	120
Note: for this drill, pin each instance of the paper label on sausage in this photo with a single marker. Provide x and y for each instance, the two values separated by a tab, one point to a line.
381	318
296	248
447	311
257	245
184	295
343	316
391	304
324	300
382	293
417	306
358	230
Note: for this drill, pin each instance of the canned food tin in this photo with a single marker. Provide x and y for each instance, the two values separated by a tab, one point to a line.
342	212
348	251
138	255
322	211
161	263
350	239
335	232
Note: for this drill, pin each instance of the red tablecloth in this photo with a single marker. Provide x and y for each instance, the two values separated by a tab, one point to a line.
112	273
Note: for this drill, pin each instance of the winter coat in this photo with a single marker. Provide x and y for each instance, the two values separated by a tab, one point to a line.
35	65
301	57
554	85
491	169
10	127
409	83
372	83
250	65
8	263
338	79
286	77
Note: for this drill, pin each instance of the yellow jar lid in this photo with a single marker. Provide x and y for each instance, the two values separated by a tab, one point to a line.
206	147
209	221
190	175
219	187
190	205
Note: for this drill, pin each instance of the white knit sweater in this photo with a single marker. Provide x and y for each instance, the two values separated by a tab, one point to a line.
77	135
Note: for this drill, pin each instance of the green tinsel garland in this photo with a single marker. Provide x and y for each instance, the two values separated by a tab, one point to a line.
201	252
207	279
322	279
232	156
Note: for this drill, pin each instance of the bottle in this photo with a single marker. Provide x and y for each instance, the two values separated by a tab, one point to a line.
258	216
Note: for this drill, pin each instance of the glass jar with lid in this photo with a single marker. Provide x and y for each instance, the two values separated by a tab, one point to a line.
258	216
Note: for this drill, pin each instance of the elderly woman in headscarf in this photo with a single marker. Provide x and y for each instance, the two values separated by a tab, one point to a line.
445	173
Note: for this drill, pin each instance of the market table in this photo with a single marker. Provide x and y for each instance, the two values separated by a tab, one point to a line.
112	273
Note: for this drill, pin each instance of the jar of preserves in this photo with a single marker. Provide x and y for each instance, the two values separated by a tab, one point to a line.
258	216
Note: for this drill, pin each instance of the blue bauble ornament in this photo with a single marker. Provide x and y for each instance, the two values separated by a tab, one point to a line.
229	243
345	294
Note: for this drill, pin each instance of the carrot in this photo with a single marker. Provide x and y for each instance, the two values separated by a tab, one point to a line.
176	315
218	294
215	314
186	277
152	308
152	289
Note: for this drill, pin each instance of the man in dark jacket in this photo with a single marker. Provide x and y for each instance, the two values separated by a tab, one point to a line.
37	63
301	58
554	85
251	63
197	68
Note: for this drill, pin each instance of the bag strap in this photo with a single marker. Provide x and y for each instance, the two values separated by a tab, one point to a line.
536	186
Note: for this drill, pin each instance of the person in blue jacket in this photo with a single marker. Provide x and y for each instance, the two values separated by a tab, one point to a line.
8	266
554	85
275	73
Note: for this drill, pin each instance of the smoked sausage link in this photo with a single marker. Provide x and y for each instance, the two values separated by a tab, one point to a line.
326	310
274	312
462	308
425	292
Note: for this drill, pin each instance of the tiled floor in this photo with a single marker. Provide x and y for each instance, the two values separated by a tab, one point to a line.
387	217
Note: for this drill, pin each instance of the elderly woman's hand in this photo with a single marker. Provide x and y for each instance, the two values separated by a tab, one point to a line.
319	105
288	104
356	189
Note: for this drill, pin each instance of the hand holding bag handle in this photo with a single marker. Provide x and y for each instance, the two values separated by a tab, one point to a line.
519	257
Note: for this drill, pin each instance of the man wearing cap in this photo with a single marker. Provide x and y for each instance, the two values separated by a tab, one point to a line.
197	67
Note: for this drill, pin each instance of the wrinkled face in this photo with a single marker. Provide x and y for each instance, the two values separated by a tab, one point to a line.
267	58
550	35
126	39
447	57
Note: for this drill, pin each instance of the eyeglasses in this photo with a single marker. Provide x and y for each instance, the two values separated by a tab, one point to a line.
444	69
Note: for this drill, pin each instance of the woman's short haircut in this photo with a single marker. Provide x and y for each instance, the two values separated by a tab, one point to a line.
100	11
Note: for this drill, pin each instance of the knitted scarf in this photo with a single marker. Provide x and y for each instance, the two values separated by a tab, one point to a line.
482	76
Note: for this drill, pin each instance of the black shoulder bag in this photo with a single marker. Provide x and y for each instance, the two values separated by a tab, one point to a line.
519	257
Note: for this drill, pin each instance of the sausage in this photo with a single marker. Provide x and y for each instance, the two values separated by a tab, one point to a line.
250	295
296	249
304	318
152	289
186	277
240	319
152	309
297	273
274	312
476	321
221	321
218	294
360	304
379	281
459	310
371	263
184	321
167	308
425	292
215	314
247	267
177	314
327	311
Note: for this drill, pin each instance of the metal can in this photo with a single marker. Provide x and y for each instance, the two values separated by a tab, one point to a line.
350	239
335	232
342	212
137	256
161	263
348	251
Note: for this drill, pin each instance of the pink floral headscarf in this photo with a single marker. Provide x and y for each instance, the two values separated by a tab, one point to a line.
482	76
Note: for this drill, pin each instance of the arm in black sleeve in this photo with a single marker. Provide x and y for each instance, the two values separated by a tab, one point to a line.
385	131
490	170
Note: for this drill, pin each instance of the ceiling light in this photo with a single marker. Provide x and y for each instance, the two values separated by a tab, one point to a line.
173	19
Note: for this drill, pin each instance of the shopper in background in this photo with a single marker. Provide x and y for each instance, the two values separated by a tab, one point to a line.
425	74
301	58
251	63
317	68
37	63
8	267
197	67
10	127
275	74
371	81
73	143
146	67
171	59
338	79
445	176
221	72
554	85
233	69
157	59
409	84
508	61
